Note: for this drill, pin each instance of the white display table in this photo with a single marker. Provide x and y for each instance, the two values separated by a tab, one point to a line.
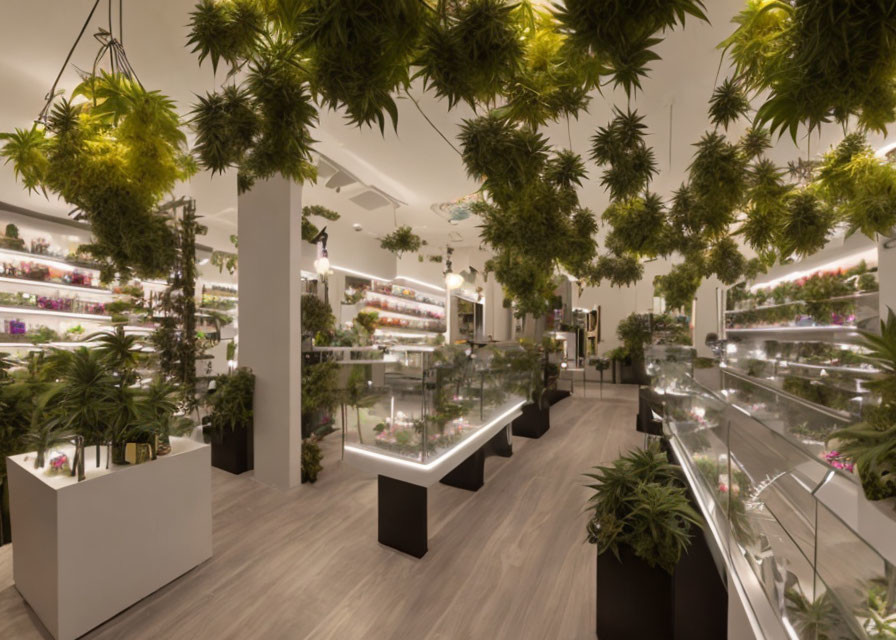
85	551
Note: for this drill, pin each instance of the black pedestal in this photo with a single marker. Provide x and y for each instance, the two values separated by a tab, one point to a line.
645	422
402	516
533	423
499	445
701	597
634	601
554	396
232	450
5	529
469	474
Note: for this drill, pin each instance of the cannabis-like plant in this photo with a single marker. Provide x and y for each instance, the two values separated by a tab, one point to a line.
402	240
728	103
640	502
231	404
623	33
114	150
622	146
317	316
806	224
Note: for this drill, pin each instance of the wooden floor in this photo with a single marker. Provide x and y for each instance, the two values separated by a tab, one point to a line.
508	561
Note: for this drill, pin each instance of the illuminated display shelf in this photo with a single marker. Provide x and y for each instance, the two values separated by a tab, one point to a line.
25	282
28	311
405	299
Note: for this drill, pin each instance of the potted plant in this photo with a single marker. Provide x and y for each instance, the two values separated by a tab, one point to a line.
311	458
641	521
229	424
634	332
536	413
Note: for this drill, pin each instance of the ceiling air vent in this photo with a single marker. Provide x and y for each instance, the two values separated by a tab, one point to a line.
370	200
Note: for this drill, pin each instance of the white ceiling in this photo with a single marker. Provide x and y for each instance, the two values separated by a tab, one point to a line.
414	166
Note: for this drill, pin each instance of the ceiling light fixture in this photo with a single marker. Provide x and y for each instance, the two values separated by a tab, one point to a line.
452	280
322	263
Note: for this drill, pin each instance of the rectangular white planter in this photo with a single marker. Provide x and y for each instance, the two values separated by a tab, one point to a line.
85	551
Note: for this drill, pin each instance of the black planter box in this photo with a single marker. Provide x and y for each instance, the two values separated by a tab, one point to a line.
232	450
553	396
648	402
5	528
534	422
701	596
634	601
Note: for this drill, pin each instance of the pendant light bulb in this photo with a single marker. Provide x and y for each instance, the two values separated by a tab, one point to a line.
322	265
453	280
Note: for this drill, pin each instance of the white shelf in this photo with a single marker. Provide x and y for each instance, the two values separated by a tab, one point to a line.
807	330
24	282
50	261
398	314
870	371
793	303
24	311
440	307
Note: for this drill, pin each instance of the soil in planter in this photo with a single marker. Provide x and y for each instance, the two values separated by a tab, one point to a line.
634	601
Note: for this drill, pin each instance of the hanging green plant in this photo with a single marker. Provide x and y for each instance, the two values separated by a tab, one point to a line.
553	80
819	61
622	33
679	286
755	142
728	103
767	204
114	155
472	50
622	146
860	186
225	30
309	229
621	271
726	261
806	224
718	181
402	240
636	226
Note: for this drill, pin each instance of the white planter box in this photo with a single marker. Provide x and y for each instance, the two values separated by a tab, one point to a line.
85	551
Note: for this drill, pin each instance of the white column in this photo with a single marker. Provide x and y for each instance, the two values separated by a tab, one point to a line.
269	316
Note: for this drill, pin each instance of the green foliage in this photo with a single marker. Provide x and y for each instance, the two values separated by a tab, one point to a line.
231	404
726	261
637	226
806	224
622	146
679	286
114	155
622	33
402	240
472	51
640	502
311	459
317	316
814	619
533	220
309	229
718	181
320	387
767	205
818	61
728	103
871	444
755	142
634	333
621	271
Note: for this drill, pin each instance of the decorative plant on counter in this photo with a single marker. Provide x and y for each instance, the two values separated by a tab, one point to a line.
114	155
402	240
634	333
871	444
358	394
640	502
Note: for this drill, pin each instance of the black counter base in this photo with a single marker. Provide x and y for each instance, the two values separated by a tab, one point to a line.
469	474
402	510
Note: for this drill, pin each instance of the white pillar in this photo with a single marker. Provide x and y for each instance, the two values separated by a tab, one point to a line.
269	316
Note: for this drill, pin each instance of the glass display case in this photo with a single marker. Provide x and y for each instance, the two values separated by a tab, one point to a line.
787	518
432	399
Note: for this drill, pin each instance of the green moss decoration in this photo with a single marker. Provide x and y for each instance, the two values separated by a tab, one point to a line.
472	51
621	145
402	240
114	154
622	33
728	103
818	61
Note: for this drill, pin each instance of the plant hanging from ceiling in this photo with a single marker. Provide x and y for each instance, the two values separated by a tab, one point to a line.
679	286
309	229
402	240
622	33
531	218
622	146
728	104
114	151
620	271
819	61
637	226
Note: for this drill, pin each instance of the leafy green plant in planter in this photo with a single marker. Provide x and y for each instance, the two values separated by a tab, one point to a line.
230	406
402	240
634	333
114	155
871	444
320	394
311	459
317	316
816	619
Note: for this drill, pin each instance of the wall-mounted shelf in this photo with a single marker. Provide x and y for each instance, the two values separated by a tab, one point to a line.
27	311
25	282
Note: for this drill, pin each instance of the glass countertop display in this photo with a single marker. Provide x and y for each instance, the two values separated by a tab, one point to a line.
431	399
809	550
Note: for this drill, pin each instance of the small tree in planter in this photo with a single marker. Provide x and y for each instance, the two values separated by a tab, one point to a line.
641	523
311	458
229	424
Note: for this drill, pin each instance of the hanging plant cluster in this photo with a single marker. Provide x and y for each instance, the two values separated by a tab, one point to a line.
532	218
402	240
817	62
114	150
309	229
623	33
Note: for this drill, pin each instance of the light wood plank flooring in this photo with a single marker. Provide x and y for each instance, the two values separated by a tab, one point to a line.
508	561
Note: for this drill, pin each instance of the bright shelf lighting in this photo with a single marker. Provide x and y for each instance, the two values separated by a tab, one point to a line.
49	312
24	282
